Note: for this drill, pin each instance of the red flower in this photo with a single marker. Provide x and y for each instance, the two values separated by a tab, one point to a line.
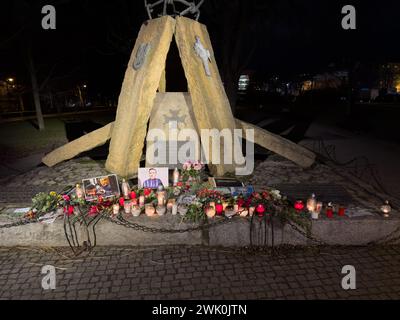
248	202
66	197
146	192
93	211
100	199
121	201
70	211
240	202
265	195
108	203
132	195
180	184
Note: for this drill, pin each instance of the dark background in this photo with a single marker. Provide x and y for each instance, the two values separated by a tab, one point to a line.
93	39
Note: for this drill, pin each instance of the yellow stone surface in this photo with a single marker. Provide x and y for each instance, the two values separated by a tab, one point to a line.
137	97
285	148
275	143
168	108
210	104
85	143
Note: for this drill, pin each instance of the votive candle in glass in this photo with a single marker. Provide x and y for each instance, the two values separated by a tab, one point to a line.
116	208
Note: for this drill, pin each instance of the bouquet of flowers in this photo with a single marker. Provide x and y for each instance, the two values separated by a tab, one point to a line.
191	170
209	195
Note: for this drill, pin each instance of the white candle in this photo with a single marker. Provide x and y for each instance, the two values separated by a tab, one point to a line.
251	211
161	198
141	201
170	204
135	210
314	215
174	209
127	207
79	192
312	203
116	209
176	176
319	207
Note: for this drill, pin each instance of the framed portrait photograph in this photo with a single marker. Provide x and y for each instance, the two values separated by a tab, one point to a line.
105	186
152	177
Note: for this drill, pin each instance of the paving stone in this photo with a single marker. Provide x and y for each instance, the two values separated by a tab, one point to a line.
259	277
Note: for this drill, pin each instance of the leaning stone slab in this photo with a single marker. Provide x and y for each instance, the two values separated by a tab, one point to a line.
85	143
275	143
270	141
137	96
210	104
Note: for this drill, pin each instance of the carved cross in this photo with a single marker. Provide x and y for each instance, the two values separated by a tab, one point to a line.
204	55
141	54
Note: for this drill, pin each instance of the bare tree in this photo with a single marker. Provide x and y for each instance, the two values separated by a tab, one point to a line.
35	91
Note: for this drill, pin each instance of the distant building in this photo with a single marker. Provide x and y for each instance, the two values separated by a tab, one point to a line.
326	80
10	99
389	77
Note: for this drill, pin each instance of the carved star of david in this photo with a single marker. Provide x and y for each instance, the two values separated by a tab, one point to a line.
174	116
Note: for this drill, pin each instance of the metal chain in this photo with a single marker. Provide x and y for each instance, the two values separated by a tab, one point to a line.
19	223
386	240
122	222
306	235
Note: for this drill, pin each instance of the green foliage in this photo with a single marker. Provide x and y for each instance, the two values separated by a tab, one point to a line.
195	213
152	198
288	214
45	202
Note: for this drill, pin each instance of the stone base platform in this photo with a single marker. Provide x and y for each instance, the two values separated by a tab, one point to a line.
364	223
236	233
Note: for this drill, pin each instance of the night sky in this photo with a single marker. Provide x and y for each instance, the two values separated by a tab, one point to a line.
93	39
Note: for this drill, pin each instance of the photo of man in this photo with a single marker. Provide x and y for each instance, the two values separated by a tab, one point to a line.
153	178
105	187
153	182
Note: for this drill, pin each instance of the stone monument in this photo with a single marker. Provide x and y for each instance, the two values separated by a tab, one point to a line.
140	103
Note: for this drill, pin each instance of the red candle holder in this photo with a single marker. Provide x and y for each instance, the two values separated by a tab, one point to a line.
329	213
341	211
260	209
299	205
219	208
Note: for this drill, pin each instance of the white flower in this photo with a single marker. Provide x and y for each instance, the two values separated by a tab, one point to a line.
276	194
